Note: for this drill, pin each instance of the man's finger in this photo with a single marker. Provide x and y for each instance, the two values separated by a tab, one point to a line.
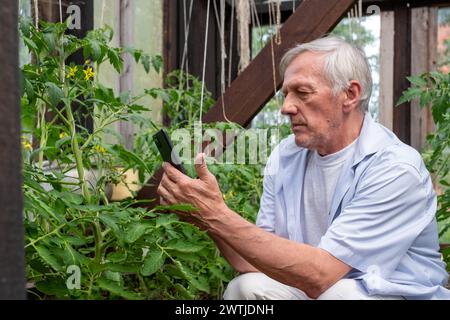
167	196
172	173
167	183
200	166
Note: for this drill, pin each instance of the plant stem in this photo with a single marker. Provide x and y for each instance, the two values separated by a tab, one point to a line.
71	122
43	139
98	242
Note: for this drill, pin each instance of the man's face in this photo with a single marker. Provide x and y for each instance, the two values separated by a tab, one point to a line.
314	111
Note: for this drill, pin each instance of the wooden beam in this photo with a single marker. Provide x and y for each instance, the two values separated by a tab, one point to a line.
12	270
402	69
255	85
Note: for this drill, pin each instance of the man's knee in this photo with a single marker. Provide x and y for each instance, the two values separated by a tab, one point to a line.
244	287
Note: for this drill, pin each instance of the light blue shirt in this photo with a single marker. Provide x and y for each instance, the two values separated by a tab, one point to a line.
382	217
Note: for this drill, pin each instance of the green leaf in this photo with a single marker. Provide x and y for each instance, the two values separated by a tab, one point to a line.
48	257
218	274
50	41
109	220
124	268
95	50
153	261
409	95
417	80
157	63
71	198
145	60
117	257
53	286
137	55
184	292
135	231
166	219
185	207
182	246
425	98
55	93
116	289
115	59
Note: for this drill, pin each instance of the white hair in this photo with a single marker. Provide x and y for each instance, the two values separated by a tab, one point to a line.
343	62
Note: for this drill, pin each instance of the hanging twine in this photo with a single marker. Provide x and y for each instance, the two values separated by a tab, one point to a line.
230	60
60	12
36	14
243	17
204	63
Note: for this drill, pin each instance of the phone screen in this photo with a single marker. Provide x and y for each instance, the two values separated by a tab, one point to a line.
165	148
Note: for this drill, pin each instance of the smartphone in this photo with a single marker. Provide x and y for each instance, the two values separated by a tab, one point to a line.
165	148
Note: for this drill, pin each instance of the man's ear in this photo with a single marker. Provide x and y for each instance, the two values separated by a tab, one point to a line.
353	96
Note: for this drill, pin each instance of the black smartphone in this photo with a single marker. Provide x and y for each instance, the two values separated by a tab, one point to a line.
165	148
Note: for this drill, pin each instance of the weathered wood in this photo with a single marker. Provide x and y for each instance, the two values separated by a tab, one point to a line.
196	45
386	103
255	85
87	23
170	42
402	69
12	271
125	16
423	59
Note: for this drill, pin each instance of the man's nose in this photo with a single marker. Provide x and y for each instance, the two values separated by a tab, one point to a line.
288	107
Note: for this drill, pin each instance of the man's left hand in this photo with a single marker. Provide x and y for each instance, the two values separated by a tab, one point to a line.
203	193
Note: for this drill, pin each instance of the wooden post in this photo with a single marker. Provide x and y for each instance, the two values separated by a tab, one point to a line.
12	271
402	69
87	24
125	16
423	59
386	103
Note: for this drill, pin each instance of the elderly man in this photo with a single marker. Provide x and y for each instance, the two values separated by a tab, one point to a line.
348	210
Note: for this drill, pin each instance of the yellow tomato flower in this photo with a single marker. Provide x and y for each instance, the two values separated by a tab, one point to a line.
62	135
88	73
26	144
100	149
72	72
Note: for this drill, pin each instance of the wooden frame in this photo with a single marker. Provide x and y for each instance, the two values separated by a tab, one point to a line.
12	255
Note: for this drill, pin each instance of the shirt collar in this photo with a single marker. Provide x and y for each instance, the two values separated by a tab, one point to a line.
372	138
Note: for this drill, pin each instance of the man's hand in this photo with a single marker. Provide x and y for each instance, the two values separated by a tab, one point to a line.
203	193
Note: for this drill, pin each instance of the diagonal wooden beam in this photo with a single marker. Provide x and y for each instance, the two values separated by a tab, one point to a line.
250	91
255	85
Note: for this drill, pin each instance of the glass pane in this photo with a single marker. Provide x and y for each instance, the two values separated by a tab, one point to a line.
444	39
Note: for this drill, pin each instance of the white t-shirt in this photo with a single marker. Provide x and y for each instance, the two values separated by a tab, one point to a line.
320	181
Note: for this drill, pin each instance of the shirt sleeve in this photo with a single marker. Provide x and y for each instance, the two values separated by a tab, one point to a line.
392	205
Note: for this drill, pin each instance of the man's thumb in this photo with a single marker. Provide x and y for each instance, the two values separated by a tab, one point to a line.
200	166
